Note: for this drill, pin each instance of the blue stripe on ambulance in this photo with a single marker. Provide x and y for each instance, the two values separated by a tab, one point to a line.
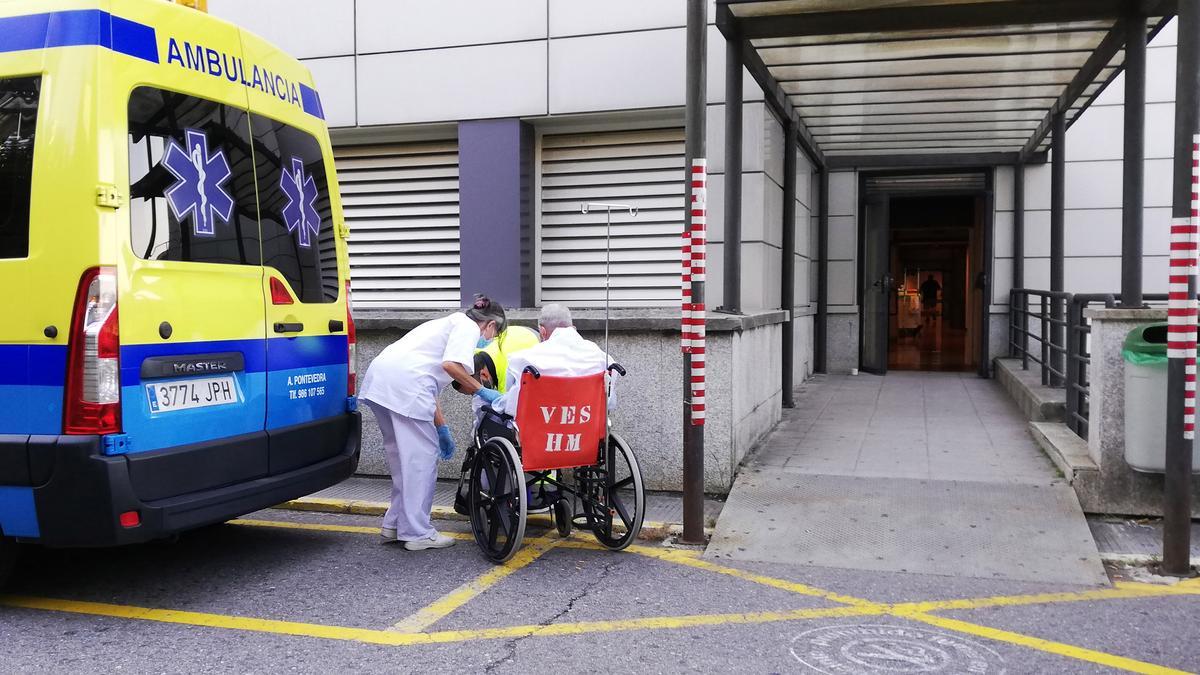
31	388
79	28
307	379
150	429
97	28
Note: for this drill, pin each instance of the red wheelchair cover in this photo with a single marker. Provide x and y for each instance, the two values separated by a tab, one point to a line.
561	420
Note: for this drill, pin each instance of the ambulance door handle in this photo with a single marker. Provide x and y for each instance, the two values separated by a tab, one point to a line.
281	327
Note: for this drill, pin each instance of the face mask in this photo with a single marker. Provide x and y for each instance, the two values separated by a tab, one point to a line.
482	343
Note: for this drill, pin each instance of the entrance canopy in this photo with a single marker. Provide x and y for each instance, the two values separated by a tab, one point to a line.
875	83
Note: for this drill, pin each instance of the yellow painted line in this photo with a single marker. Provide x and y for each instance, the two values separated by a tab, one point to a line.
201	619
1069	651
1121	592
1180	588
439	609
394	638
650	623
322	527
372	508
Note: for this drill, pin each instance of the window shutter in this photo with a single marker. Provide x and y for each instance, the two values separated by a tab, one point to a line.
641	168
401	204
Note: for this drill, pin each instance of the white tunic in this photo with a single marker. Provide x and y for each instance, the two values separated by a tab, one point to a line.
565	354
407	376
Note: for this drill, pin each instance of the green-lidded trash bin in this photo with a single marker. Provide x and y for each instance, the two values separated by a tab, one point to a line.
1145	353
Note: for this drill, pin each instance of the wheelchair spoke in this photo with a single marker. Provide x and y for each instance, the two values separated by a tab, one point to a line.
622	484
618	504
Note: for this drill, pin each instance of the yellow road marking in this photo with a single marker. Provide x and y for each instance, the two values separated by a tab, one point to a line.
439	609
1070	651
1033	599
1181	588
391	637
322	527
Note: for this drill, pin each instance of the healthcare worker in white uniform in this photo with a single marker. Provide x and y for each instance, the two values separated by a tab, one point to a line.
402	386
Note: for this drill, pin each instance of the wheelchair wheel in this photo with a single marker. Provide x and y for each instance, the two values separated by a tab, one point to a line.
564	513
497	500
619	507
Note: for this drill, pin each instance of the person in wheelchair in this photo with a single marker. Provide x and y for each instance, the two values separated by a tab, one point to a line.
563	352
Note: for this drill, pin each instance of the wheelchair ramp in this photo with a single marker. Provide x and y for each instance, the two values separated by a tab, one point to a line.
918	473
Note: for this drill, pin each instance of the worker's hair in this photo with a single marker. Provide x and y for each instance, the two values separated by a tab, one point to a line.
486	309
555	316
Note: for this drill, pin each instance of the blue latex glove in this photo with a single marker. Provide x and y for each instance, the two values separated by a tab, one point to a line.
488	395
445	442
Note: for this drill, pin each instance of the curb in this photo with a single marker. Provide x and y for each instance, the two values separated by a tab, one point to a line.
652	530
1138	559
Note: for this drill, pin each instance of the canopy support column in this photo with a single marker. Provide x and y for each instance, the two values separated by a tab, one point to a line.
1133	200
1058	171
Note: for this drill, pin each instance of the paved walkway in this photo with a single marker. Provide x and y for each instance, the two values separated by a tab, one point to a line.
915	472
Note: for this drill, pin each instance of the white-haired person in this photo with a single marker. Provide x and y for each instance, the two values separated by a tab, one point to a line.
563	352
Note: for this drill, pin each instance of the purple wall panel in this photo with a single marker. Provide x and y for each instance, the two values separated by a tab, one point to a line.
495	186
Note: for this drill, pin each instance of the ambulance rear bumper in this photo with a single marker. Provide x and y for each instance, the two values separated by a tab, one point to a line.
85	492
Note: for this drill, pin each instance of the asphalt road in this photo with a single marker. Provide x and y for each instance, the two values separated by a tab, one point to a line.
307	592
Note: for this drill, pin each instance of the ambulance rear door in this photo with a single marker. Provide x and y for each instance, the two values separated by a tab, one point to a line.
305	282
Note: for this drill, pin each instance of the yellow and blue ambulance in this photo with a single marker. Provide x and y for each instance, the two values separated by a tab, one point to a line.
176	345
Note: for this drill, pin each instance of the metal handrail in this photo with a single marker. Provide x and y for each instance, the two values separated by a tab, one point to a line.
1051	352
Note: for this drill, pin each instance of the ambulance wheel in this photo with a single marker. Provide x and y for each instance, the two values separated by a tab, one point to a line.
8	558
497	502
564	513
618	512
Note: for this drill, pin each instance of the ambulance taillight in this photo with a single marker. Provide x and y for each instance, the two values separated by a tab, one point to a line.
93	396
352	342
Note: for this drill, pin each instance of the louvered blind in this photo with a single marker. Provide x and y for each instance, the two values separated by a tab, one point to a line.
642	168
401	203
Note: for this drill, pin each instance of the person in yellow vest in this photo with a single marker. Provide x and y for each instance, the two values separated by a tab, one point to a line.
491	369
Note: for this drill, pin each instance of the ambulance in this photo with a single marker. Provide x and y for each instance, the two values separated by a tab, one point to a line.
176	344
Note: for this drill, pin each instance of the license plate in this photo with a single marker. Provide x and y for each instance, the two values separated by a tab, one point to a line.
189	394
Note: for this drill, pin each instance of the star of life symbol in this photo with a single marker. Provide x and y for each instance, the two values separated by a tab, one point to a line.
199	176
300	213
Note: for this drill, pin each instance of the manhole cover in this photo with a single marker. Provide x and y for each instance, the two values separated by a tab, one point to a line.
892	649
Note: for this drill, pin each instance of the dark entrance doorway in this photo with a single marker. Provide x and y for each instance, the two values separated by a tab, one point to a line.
930	255
924	267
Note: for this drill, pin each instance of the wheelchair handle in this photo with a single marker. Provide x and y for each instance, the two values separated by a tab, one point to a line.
532	371
617	367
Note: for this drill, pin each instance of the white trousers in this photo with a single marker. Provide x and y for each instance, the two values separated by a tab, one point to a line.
411	447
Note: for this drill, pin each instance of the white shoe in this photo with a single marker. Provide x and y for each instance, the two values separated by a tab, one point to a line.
438	540
387	534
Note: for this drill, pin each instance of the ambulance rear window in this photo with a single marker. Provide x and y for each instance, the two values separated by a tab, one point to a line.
293	199
18	122
191	180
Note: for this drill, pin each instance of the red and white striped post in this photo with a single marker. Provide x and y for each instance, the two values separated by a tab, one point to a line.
694	255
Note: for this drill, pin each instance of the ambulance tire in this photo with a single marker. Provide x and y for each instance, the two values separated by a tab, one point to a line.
564	514
624	498
9	550
498	500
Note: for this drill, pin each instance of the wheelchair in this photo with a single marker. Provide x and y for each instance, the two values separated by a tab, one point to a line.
558	453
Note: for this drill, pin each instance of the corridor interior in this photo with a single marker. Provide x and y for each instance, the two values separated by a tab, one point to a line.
932	251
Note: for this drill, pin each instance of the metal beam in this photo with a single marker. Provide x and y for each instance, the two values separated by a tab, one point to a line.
1018	278
696	148
1105	51
1058	173
925	17
732	242
1132	200
957	159
1177	483
787	290
821	326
